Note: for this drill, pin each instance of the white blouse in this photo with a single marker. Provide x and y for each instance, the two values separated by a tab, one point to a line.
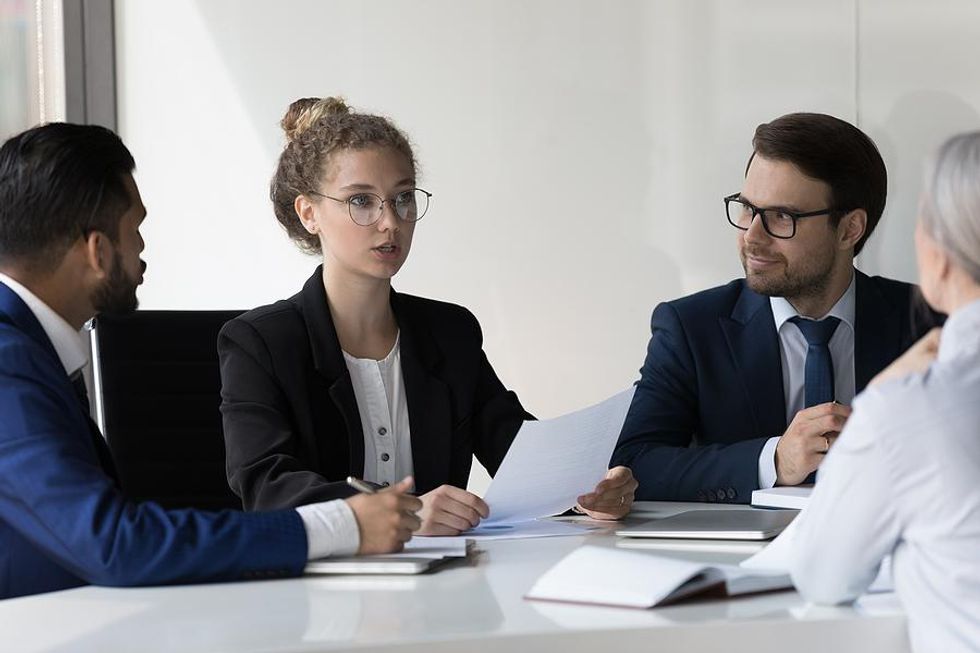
379	389
904	479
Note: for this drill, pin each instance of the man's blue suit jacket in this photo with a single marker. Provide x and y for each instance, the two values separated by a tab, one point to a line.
64	523
710	392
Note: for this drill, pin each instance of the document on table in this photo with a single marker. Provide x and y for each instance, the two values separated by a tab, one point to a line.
552	462
526	529
778	556
791	496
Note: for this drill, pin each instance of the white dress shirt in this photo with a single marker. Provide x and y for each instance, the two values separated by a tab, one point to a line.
331	528
902	479
792	354
380	393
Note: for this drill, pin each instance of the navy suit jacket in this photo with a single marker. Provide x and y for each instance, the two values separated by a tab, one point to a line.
710	392
63	520
291	422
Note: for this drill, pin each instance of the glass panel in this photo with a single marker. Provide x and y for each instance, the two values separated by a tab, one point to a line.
31	64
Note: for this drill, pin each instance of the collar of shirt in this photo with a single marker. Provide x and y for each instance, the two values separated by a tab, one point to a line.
843	310
961	333
70	345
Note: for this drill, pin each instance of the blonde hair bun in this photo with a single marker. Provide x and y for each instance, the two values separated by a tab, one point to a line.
305	112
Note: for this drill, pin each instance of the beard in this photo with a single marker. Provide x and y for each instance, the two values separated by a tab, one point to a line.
117	296
808	277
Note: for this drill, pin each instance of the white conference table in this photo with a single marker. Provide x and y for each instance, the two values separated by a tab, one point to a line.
476	606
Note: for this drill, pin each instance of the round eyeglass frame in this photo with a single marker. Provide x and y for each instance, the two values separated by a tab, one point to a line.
381	207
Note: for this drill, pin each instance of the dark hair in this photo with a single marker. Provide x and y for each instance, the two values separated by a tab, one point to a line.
57	182
315	129
834	152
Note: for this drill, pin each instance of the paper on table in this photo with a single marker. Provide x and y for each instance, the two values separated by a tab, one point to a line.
551	462
778	556
526	529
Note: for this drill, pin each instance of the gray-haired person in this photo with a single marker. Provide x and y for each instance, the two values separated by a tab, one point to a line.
902	479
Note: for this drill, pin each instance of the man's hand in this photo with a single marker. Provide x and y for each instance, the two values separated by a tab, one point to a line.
447	510
809	436
613	497
916	360
386	519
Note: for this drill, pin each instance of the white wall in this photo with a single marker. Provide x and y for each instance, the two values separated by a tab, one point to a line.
578	151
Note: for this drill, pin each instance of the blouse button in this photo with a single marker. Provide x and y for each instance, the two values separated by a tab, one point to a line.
385	457
382	431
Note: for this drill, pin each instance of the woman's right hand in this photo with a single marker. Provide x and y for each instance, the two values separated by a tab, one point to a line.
386	519
448	510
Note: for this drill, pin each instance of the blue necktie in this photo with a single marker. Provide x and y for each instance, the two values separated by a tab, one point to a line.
818	376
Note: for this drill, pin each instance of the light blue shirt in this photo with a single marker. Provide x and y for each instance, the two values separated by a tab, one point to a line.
904	479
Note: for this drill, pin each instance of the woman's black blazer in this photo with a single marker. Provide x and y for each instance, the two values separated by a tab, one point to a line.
291	425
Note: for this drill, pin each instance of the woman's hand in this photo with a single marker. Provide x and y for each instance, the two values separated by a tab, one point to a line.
447	510
613	497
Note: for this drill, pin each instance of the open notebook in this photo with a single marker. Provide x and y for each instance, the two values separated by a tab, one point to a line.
634	579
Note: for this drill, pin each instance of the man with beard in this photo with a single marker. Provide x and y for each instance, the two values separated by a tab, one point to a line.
70	247
747	385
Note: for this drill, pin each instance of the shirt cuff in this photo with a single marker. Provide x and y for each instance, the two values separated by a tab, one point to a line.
767	464
331	529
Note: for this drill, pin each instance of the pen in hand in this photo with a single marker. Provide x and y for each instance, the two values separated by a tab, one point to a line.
360	486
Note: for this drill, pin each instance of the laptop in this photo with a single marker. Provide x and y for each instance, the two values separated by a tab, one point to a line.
715	525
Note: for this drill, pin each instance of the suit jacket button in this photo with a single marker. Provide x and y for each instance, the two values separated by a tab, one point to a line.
721	495
732	493
385	457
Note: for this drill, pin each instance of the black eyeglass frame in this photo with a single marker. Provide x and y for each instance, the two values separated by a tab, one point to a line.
760	211
381	209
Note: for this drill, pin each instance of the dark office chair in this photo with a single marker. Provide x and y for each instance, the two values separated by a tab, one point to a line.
157	376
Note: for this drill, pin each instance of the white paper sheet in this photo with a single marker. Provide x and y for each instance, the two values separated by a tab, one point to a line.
526	529
552	462
778	556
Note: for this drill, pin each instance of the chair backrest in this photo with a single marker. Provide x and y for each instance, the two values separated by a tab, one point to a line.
160	388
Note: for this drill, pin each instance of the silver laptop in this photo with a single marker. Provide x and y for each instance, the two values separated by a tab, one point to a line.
715	525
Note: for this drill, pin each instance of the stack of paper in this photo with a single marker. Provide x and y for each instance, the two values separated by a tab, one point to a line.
793	496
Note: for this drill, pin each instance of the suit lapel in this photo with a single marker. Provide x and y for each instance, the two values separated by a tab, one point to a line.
328	360
754	345
877	331
21	317
428	397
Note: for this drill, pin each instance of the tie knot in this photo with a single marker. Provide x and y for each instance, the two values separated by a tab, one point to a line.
816	332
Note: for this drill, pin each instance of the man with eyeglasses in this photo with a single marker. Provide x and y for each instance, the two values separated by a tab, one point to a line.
747	385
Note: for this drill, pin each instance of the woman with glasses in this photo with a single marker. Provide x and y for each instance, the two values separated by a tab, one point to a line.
349	377
902	478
